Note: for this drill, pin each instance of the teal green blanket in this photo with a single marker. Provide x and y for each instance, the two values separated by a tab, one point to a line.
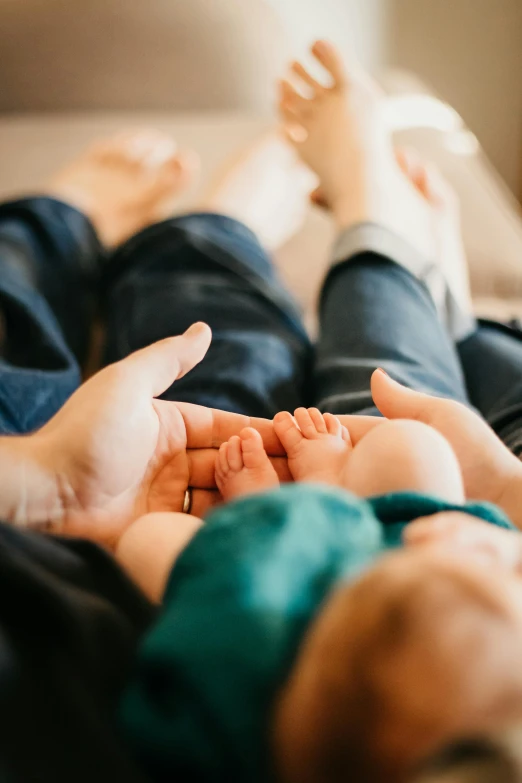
237	605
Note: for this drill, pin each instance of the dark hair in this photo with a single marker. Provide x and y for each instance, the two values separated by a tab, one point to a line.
495	759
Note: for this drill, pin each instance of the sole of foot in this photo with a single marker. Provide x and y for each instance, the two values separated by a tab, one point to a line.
317	445
339	130
266	187
243	467
126	182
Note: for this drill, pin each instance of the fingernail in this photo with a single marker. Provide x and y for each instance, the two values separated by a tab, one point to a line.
379	369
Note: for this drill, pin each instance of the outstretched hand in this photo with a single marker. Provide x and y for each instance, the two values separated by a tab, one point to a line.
118	453
487	465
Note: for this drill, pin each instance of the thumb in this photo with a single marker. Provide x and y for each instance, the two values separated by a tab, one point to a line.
162	363
396	401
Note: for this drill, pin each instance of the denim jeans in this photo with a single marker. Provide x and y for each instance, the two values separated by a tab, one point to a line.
194	268
373	313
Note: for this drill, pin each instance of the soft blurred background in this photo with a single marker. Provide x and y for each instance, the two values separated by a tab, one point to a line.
205	69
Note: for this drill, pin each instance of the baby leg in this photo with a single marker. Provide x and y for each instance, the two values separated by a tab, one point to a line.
151	545
405	456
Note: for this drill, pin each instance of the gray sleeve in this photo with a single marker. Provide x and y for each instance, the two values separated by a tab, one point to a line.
375	238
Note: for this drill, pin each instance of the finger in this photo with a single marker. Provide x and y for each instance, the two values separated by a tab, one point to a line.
204	500
202	465
300	71
396	401
318	420
271	442
209	427
164	362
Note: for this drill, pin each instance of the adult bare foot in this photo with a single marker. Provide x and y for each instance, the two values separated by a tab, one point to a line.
266	187
126	182
317	445
243	467
340	133
446	221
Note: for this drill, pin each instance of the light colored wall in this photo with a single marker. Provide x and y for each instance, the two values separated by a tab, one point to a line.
359	26
471	53
210	54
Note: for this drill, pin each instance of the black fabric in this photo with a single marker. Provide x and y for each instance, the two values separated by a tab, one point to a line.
70	621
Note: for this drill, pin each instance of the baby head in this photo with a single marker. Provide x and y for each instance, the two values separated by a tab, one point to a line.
422	650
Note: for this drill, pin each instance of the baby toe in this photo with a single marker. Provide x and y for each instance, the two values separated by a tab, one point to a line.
235	456
318	420
287	431
222	459
333	425
305	423
254	454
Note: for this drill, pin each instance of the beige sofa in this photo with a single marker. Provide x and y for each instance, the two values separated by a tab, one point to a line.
205	70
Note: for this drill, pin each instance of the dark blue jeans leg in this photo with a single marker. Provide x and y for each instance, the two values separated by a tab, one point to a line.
49	255
374	313
211	268
492	362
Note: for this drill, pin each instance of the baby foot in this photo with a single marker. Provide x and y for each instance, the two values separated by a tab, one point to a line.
243	467
340	132
126	183
317	445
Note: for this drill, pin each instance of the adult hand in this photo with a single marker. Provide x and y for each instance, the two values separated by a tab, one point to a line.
118	453
489	469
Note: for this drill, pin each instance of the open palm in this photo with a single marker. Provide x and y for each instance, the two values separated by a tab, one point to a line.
118	452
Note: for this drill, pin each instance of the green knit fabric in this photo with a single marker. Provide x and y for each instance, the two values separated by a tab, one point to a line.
236	608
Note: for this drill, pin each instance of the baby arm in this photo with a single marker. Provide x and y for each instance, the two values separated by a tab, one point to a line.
149	548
